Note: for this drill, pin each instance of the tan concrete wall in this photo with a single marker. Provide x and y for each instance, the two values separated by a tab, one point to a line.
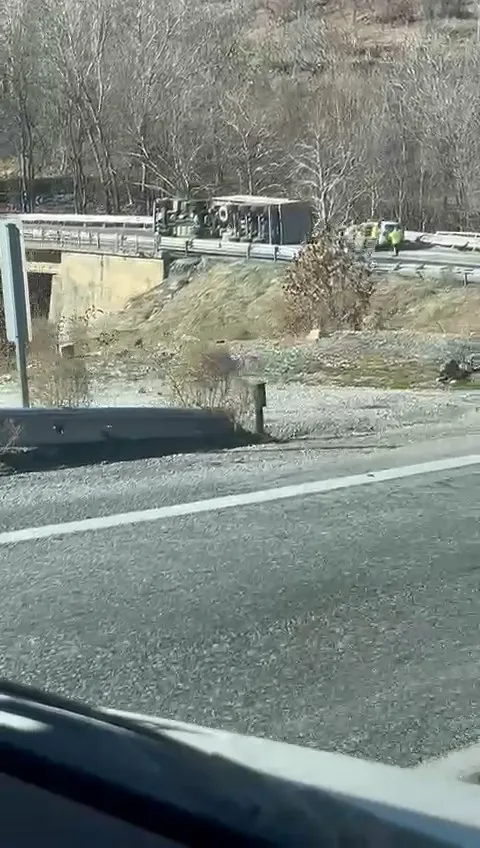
43	267
100	284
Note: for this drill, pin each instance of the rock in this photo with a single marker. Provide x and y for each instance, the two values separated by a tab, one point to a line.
66	350
452	370
314	335
474	362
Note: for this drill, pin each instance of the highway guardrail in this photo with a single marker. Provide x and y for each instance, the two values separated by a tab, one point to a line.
90	241
145	244
48	427
460	241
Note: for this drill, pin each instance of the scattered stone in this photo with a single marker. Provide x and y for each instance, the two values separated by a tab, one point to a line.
66	350
474	362
452	372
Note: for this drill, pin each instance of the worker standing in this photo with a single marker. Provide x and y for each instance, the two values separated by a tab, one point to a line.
375	234
396	238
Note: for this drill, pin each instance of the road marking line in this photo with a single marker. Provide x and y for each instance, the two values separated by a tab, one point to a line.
317	487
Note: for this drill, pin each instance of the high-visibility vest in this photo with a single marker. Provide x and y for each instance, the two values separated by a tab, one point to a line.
396	237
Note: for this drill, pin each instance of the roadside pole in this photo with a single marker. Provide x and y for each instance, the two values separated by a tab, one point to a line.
16	299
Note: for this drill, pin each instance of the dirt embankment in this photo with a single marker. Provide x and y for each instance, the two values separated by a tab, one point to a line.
412	327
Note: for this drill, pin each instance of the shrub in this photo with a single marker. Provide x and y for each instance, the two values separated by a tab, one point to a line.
208	376
328	287
56	380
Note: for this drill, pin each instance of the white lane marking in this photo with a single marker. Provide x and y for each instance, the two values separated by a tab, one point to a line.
317	487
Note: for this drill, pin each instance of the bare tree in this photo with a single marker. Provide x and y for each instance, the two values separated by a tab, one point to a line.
23	100
143	97
80	45
328	161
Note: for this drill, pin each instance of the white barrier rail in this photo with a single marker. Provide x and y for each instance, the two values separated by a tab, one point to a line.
456	241
85	221
465	233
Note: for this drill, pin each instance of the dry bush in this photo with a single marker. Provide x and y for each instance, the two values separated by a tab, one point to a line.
461	9
327	287
7	350
9	433
397	11
57	380
208	377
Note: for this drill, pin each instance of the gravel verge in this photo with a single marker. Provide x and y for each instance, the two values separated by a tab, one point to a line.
295	410
299	405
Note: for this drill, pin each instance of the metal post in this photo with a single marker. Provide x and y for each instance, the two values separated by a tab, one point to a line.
21	358
260	402
465	279
16	300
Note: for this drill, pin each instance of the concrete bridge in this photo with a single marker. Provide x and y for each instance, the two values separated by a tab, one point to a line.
63	284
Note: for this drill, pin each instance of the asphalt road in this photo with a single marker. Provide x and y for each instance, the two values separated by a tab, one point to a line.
346	620
434	256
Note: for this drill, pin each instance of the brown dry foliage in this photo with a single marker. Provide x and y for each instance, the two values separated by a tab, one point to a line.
327	287
9	433
208	376
56	380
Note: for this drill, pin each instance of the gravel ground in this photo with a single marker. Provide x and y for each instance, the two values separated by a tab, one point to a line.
345	348
297	408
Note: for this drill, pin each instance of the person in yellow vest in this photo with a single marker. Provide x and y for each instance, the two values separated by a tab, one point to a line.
375	233
396	238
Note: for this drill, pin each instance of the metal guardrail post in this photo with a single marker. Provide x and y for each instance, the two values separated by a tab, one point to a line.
260	402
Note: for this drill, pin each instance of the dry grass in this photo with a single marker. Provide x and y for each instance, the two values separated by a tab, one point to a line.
241	303
426	306
9	433
207	377
57	380
236	303
231	301
363	30
375	371
245	301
